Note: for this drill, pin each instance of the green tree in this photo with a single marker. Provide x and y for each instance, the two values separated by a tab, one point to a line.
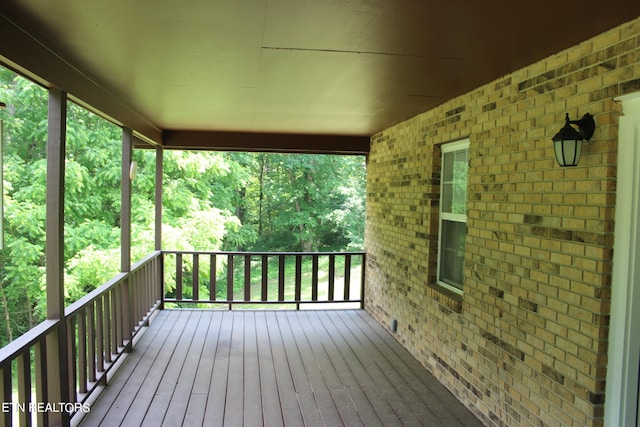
211	201
22	259
308	202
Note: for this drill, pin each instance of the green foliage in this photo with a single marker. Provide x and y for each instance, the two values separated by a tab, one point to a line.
307	202
211	201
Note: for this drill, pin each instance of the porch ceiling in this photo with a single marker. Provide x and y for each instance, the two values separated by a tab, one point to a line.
256	67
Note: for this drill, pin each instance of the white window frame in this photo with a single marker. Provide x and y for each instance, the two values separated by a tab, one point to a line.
446	216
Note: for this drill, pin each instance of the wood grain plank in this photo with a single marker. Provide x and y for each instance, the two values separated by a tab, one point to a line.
271	405
320	390
439	401
252	394
369	357
291	411
214	413
326	358
188	368
176	352
304	392
148	347
200	391
273	368
143	408
234	406
367	411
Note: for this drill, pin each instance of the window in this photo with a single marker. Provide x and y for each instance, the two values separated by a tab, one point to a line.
453	214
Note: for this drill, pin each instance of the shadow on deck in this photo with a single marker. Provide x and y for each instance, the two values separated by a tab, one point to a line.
272	368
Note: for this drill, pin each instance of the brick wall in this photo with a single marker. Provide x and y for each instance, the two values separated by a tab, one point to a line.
526	344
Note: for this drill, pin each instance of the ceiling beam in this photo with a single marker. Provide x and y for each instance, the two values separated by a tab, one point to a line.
23	52
266	142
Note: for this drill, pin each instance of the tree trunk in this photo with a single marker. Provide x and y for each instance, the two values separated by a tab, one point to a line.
7	319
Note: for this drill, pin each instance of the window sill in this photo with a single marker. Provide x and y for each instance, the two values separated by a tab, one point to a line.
448	300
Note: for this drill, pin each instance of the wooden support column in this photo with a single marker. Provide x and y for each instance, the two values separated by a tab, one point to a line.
159	186
56	345
125	209
126	296
158	219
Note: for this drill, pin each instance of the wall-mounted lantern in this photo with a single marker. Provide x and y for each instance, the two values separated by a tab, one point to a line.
567	143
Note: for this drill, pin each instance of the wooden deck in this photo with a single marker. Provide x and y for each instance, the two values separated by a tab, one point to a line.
272	368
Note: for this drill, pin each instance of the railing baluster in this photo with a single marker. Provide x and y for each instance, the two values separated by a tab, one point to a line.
363	260
281	265
126	296
196	278
332	276
98	326
24	387
326	283
73	357
298	281
230	278
265	278
82	352
99	336
113	318
7	390
145	282
138	291
213	272
179	277
141	283
93	329
347	277
247	277
108	339
314	277
40	363
116	306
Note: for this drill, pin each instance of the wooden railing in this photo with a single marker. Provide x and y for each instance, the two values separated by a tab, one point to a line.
263	278
17	362
48	374
98	329
101	325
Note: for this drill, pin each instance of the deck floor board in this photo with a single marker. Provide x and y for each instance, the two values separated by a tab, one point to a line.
272	368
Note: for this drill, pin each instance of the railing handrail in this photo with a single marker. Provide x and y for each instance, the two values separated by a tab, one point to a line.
101	325
328	284
262	253
96	331
31	336
139	264
94	295
26	340
101	290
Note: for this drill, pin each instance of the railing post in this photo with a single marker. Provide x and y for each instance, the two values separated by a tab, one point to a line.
213	289
159	186
125	235
230	280
158	221
247	277
363	269
298	281
56	343
6	389
160	277
332	277
347	277
195	277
